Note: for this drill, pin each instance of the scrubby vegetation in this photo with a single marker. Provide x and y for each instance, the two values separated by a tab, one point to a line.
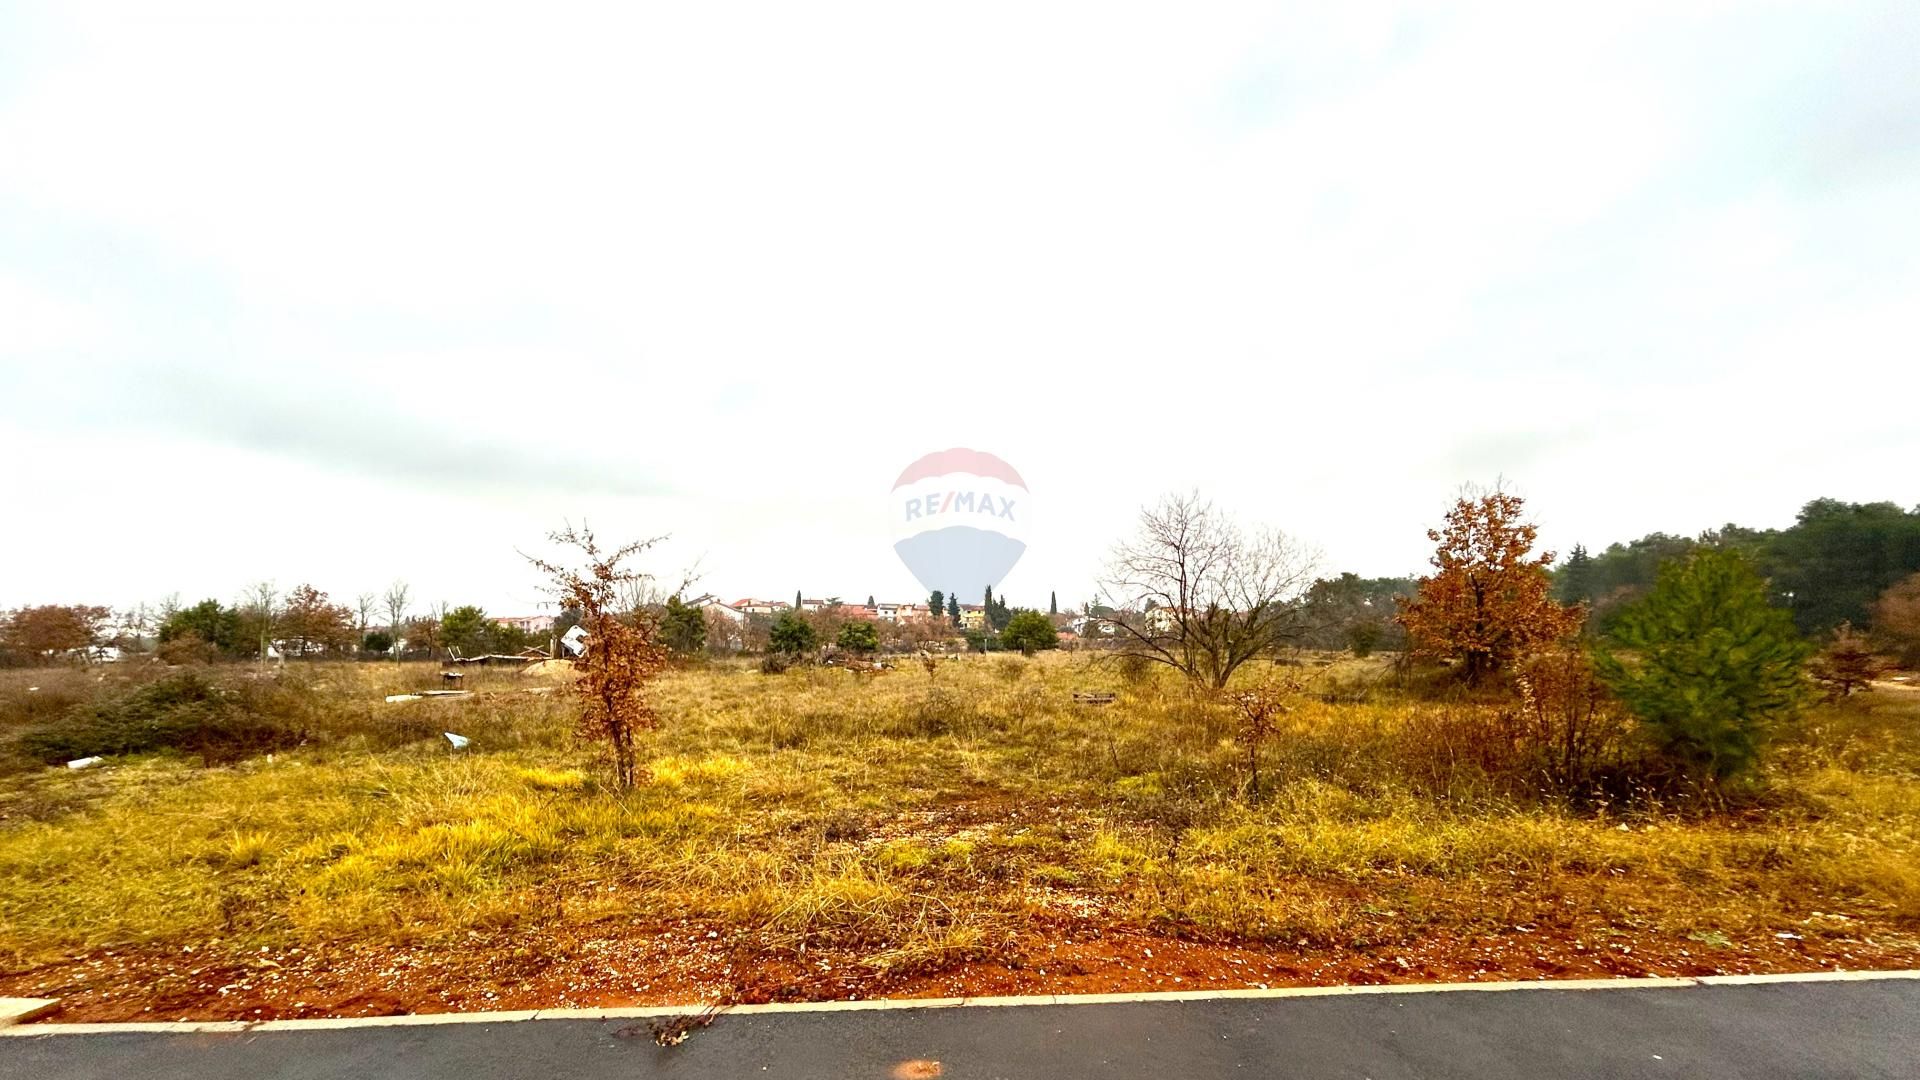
906	823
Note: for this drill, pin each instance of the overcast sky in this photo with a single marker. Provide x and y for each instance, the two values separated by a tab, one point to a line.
348	293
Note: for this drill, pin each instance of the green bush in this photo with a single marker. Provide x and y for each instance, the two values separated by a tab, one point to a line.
1030	632
790	634
186	712
982	641
1708	665
859	636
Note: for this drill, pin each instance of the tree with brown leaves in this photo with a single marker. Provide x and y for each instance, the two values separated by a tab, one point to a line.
1262	708
624	651
50	631
1896	619
1847	664
1489	600
311	622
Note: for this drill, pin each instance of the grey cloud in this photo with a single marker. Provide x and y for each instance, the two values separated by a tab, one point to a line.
360	435
408	446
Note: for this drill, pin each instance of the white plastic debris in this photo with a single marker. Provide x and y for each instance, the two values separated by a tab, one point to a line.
393	698
459	741
85	762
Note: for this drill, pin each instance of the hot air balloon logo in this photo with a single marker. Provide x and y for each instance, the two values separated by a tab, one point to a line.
960	519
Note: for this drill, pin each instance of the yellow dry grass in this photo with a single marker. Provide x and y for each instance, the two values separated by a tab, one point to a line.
917	819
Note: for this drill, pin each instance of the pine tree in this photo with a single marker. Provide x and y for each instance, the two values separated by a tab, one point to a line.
1575	582
684	627
870	602
1847	664
953	607
937	603
796	599
1053	603
1708	665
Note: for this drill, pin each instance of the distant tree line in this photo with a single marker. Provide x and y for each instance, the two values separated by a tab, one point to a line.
1833	565
304	623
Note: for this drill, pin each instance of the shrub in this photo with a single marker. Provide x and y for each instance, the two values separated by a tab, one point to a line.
185	712
1135	670
1010	669
790	634
981	641
1362	638
859	636
1709	666
1567	726
187	647
1260	710
932	714
46	696
1847	664
1452	750
1030	632
1896	619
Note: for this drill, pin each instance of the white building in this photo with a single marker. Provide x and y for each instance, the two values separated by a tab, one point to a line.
760	607
714	603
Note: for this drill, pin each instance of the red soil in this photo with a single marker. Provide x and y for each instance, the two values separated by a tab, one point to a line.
687	963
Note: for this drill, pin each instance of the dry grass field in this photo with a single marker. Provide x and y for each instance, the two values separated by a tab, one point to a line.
826	834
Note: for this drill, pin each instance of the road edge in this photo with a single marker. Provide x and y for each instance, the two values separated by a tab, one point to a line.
657	1011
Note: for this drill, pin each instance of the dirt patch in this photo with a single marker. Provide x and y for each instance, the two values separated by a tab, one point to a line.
687	963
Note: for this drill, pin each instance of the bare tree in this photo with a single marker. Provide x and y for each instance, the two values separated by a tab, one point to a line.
396	614
1194	591
364	605
642	592
260	613
639	593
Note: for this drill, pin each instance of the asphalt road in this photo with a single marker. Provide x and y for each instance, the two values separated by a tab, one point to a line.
1839	1029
